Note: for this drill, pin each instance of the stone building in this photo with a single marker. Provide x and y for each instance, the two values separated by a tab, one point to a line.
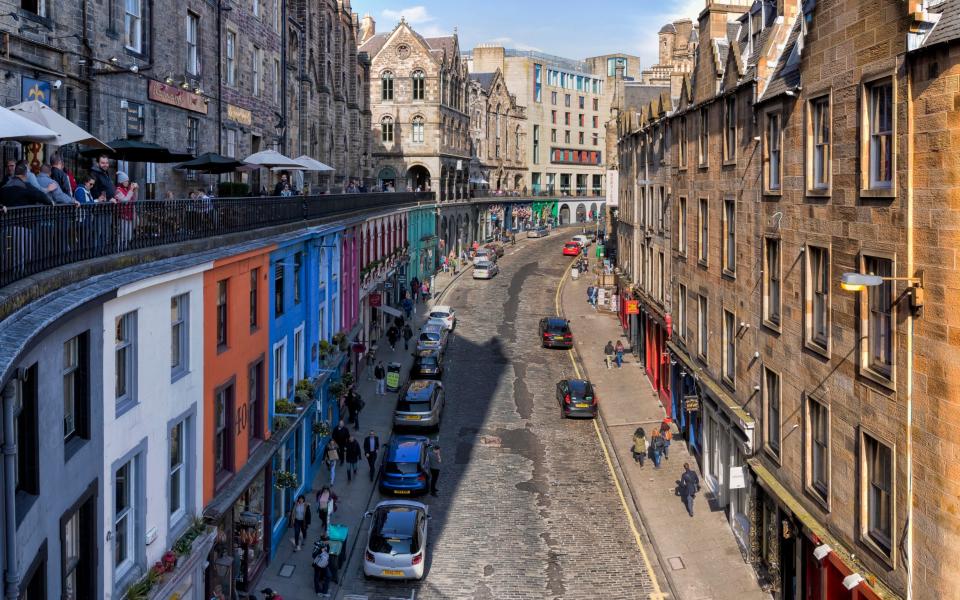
420	128
247	77
819	412
497	133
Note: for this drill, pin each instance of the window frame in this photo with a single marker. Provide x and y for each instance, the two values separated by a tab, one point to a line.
419	85
682	144
129	399
729	231
811	442
79	374
703	139
769	151
703	232
254	299
730	129
416	129
811	338
257	69
814	105
138	23
773	450
387	92
192	46
225	394
728	361
279	288
866	535
255	403
772	279
180	327
386	130
703	327
223	315
230	57
682	226
866	364
84	509
125	572
869	187
681	329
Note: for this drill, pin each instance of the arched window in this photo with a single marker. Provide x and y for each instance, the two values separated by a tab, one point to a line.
386	129
386	86
419	85
418	129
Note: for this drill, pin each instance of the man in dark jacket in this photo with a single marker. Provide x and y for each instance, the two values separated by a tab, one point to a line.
59	175
689	486
278	189
354	405
353	453
17	192
8	172
608	353
341	435
407	334
371	445
103	188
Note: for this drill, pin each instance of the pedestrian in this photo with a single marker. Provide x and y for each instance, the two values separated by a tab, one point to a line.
619	350
371	445
82	195
667	434
456	265
407	305
126	195
608	354
269	594
340	435
379	373
689	486
433	461
47	182
17	192
354	406
407	335
326	505
330	456
300	517
57	174
392	334
8	173
415	289
590	295
104	189
656	448
321	569
398	322
640	446
353	457
425	291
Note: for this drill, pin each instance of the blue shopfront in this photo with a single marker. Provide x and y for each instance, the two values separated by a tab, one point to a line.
685	398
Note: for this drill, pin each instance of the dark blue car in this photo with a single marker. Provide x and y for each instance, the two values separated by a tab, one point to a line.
404	471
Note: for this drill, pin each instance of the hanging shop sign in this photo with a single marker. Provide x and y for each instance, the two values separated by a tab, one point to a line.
691	403
239	115
633	307
738	479
375	299
176	96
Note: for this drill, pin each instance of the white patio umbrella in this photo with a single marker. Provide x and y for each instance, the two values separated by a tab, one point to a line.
67	132
312	164
14	126
272	159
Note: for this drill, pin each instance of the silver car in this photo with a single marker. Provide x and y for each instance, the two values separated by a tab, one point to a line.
485	270
538	232
432	337
420	404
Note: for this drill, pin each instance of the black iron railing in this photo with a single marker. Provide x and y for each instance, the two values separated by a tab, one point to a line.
36	238
566	193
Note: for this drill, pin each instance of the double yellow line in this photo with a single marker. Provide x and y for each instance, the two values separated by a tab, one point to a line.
657	592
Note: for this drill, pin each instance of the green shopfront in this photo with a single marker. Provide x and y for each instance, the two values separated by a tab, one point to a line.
424	250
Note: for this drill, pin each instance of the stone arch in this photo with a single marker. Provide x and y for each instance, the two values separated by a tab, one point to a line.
594	216
581	212
387	175
564	214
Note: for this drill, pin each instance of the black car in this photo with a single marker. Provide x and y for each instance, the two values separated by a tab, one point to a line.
577	398
427	364
555	333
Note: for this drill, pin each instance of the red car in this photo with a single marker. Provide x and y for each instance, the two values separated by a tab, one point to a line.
571	249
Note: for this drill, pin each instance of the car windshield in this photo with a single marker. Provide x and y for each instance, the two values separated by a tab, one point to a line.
427	361
438	315
395	531
558	328
429	336
581	389
413	405
402	468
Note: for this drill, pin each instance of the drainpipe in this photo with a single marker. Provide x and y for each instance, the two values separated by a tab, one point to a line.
12	576
910	325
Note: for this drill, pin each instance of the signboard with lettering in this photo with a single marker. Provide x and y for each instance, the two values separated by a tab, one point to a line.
375	299
134	116
633	307
738	480
34	89
239	115
175	96
691	403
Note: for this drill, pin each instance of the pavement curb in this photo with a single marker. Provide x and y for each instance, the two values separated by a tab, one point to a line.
618	470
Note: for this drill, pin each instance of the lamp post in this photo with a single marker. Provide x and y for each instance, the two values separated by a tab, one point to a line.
859	282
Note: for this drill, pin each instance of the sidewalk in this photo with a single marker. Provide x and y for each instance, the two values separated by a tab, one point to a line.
699	555
290	573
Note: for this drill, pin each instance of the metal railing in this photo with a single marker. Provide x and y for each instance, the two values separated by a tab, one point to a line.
541	193
34	239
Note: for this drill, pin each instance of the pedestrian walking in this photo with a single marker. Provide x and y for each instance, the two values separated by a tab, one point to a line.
353	453
656	448
415	289
640	446
456	265
689	486
269	594
407	334
425	291
321	569
371	446
407	305
330	457
619	353
433	461
392	334
326	504
590	289
340	435
355	404
300	517
608	354
398	322
667	434
380	374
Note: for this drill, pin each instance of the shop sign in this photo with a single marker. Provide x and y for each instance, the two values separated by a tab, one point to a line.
34	89
633	307
388	285
239	115
691	403
134	118
175	96
375	299
738	479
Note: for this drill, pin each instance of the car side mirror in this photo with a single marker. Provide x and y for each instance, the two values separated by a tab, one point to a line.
367	514
429	516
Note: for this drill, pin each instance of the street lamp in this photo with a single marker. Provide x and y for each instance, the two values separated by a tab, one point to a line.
859	282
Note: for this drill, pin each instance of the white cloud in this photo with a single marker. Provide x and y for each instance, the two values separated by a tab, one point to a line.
509	42
414	15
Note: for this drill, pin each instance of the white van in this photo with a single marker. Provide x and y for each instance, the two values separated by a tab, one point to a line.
581	239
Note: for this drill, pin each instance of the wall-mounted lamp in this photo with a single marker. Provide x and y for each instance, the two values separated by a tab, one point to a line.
852	581
185	85
114	59
859	282
821	551
168	80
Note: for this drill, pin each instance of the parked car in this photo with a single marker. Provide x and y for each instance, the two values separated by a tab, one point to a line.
404	469
485	270
577	398
397	542
582	239
485	255
427	364
446	313
538	232
419	404
496	247
432	337
555	333
571	249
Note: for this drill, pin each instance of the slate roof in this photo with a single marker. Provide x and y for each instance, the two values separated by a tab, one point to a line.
785	77
947	28
374	44
668	28
484	79
638	97
446	43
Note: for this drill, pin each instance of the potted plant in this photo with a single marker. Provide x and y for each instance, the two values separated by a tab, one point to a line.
285	480
342	342
283	407
337	389
347	380
304	392
321	428
325	349
279	424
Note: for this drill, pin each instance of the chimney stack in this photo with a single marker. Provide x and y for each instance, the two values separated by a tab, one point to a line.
368	28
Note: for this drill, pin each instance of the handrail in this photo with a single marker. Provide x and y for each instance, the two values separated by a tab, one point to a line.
34	239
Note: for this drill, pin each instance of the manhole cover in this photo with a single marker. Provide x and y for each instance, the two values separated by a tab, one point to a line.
286	570
676	563
491	441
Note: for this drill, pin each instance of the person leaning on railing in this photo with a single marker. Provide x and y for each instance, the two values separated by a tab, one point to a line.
19	192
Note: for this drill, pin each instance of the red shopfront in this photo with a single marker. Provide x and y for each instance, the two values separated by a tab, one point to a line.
657	364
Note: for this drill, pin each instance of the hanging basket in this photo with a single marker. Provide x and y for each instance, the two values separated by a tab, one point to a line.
285	480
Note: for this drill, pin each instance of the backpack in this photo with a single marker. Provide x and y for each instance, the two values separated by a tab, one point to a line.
322	559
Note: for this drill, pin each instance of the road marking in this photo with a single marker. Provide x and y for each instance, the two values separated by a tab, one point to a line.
657	592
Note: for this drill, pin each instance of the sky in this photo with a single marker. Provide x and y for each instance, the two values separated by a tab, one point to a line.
563	27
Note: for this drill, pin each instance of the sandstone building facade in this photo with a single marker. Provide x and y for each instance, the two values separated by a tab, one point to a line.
498	132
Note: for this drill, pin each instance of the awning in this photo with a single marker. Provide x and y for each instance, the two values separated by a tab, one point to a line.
211	162
272	159
312	164
390	310
769	483
137	151
67	132
14	126
242	480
